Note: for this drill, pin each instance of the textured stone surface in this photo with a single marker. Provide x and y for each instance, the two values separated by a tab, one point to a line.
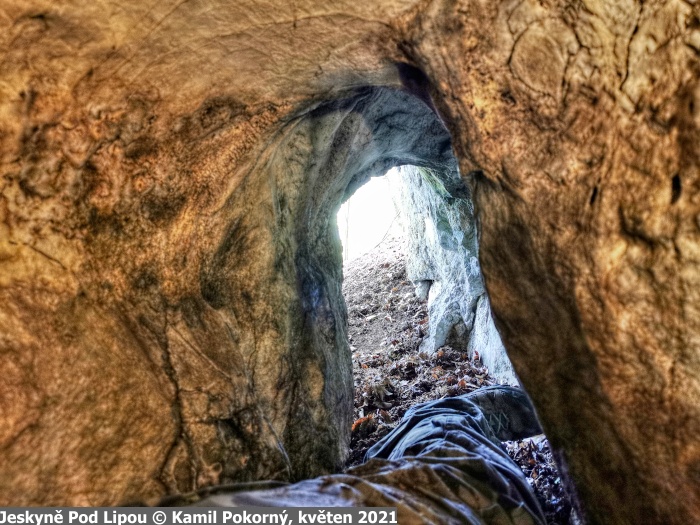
167	274
587	198
437	216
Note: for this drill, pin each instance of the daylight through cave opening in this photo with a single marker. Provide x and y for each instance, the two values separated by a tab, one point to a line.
429	239
419	323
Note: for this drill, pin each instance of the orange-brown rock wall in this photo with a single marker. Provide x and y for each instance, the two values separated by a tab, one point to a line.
151	288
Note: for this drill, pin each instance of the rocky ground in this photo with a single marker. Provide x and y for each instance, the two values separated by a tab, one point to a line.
387	323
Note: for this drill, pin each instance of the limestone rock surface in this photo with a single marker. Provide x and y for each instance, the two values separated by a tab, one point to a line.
170	274
442	250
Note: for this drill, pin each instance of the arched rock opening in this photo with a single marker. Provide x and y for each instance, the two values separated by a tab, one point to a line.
319	159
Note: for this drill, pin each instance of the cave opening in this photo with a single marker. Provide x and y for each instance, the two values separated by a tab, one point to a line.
419	324
418	319
345	401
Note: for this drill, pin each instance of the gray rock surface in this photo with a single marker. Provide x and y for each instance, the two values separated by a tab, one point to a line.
437	216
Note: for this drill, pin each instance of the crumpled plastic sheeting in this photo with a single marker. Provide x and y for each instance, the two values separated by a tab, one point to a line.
442	464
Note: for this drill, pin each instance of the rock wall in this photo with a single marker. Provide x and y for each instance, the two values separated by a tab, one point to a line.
574	122
167	174
211	335
437	216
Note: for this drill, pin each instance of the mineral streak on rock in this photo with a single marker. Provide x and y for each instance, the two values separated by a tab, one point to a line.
170	275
